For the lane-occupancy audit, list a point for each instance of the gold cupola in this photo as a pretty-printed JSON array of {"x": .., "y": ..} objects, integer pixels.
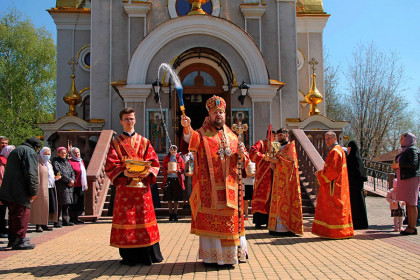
[
  {"x": 72, "y": 97},
  {"x": 314, "y": 97}
]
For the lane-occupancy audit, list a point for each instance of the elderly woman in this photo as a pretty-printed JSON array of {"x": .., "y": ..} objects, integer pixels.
[
  {"x": 3, "y": 160},
  {"x": 408, "y": 178},
  {"x": 64, "y": 184},
  {"x": 80, "y": 185},
  {"x": 44, "y": 207}
]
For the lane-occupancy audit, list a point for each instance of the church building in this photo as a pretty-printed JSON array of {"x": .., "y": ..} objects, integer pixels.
[{"x": 217, "y": 47}]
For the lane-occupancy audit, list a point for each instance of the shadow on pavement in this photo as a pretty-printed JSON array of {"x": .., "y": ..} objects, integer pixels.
[{"x": 95, "y": 269}]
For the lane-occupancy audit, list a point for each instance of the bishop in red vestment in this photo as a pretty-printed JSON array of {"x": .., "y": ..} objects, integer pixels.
[
  {"x": 215, "y": 191},
  {"x": 333, "y": 210},
  {"x": 134, "y": 227},
  {"x": 263, "y": 181}
]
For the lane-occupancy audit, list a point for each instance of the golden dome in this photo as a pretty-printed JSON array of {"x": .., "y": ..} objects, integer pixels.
[{"x": 309, "y": 7}]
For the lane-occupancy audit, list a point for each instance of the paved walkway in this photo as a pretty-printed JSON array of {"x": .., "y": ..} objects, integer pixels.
[{"x": 83, "y": 252}]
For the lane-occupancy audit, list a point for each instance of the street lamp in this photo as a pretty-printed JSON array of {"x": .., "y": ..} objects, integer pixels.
[
  {"x": 244, "y": 91},
  {"x": 156, "y": 85}
]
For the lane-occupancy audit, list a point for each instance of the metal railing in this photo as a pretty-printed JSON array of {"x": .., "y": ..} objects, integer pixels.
[{"x": 380, "y": 176}]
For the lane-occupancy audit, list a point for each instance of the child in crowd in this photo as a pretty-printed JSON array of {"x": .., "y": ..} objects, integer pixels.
[{"x": 397, "y": 207}]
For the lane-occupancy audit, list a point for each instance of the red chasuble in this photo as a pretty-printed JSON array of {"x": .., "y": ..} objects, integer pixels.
[
  {"x": 333, "y": 212},
  {"x": 286, "y": 199},
  {"x": 134, "y": 223},
  {"x": 263, "y": 178},
  {"x": 214, "y": 197}
]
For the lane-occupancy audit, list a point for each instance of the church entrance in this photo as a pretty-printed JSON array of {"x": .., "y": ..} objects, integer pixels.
[{"x": 200, "y": 82}]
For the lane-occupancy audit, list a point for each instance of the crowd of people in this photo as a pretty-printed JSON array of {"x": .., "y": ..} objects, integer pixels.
[
  {"x": 38, "y": 191},
  {"x": 203, "y": 173}
]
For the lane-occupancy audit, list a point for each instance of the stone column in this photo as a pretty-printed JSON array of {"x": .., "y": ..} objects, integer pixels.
[
  {"x": 287, "y": 58},
  {"x": 135, "y": 96},
  {"x": 261, "y": 96},
  {"x": 253, "y": 11}
]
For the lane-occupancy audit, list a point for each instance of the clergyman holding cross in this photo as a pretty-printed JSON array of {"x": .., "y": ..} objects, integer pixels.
[{"x": 214, "y": 198}]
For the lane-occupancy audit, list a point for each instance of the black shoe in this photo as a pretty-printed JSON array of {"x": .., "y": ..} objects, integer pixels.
[
  {"x": 78, "y": 222},
  {"x": 68, "y": 224},
  {"x": 39, "y": 228},
  {"x": 405, "y": 232},
  {"x": 258, "y": 226},
  {"x": 129, "y": 263},
  {"x": 46, "y": 228},
  {"x": 211, "y": 264},
  {"x": 57, "y": 225},
  {"x": 4, "y": 235},
  {"x": 171, "y": 217},
  {"x": 175, "y": 217},
  {"x": 22, "y": 244}
]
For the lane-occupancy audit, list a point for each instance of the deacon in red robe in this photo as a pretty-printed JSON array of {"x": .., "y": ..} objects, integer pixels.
[
  {"x": 134, "y": 227},
  {"x": 333, "y": 210},
  {"x": 285, "y": 216},
  {"x": 263, "y": 180},
  {"x": 214, "y": 198}
]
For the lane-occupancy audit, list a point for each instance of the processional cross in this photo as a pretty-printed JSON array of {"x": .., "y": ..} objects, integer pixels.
[{"x": 239, "y": 129}]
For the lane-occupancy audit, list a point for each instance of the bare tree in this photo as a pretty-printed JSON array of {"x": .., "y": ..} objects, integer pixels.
[
  {"x": 374, "y": 103},
  {"x": 333, "y": 107}
]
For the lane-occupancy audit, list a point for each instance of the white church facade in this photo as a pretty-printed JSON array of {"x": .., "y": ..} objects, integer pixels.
[{"x": 119, "y": 46}]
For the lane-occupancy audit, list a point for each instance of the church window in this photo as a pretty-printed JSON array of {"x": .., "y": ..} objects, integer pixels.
[
  {"x": 83, "y": 57},
  {"x": 199, "y": 78}
]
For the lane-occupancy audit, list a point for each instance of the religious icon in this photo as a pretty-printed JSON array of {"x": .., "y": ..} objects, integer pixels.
[{"x": 157, "y": 131}]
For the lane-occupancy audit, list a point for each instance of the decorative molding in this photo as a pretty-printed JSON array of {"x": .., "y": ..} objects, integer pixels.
[
  {"x": 316, "y": 122},
  {"x": 68, "y": 122},
  {"x": 262, "y": 93},
  {"x": 137, "y": 9},
  {"x": 135, "y": 93},
  {"x": 252, "y": 11},
  {"x": 176, "y": 28},
  {"x": 71, "y": 21},
  {"x": 311, "y": 24}
]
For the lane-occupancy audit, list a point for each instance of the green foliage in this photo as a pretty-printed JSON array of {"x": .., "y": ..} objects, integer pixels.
[{"x": 27, "y": 77}]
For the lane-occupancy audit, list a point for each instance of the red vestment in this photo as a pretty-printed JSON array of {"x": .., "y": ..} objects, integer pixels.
[
  {"x": 333, "y": 211},
  {"x": 263, "y": 178},
  {"x": 134, "y": 223},
  {"x": 286, "y": 199},
  {"x": 214, "y": 198}
]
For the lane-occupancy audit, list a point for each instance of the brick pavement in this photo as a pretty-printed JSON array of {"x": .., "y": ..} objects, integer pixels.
[{"x": 83, "y": 252}]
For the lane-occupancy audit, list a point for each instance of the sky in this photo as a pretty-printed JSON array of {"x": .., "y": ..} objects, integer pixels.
[{"x": 390, "y": 25}]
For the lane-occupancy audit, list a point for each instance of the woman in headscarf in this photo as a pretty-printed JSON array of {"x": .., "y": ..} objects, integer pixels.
[
  {"x": 64, "y": 184},
  {"x": 357, "y": 177},
  {"x": 408, "y": 178},
  {"x": 3, "y": 160},
  {"x": 44, "y": 207},
  {"x": 80, "y": 185}
]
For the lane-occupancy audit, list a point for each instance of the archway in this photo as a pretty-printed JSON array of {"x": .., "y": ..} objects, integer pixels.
[{"x": 200, "y": 82}]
